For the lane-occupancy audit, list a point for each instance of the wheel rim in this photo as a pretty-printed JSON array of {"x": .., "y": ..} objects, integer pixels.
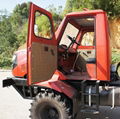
[
  {"x": 53, "y": 113},
  {"x": 47, "y": 112}
]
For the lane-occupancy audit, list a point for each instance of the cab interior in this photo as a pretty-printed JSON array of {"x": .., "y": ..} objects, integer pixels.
[{"x": 77, "y": 49}]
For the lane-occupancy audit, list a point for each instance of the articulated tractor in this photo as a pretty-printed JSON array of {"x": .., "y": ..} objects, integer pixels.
[{"x": 69, "y": 71}]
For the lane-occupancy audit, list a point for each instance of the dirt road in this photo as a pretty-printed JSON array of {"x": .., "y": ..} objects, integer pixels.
[{"x": 13, "y": 106}]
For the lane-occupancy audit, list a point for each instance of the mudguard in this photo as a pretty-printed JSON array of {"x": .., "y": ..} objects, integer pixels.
[{"x": 57, "y": 84}]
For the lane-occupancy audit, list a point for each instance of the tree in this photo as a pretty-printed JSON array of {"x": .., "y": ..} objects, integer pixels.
[
  {"x": 77, "y": 5},
  {"x": 22, "y": 10},
  {"x": 68, "y": 6},
  {"x": 13, "y": 32},
  {"x": 19, "y": 22},
  {"x": 57, "y": 14},
  {"x": 7, "y": 42},
  {"x": 112, "y": 7}
]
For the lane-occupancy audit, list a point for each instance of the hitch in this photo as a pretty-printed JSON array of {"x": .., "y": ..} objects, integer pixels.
[{"x": 14, "y": 81}]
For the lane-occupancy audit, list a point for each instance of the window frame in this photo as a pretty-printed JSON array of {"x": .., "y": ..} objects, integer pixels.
[
  {"x": 52, "y": 31},
  {"x": 68, "y": 34},
  {"x": 94, "y": 44}
]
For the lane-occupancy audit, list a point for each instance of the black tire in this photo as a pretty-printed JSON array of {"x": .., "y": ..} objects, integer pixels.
[{"x": 50, "y": 106}]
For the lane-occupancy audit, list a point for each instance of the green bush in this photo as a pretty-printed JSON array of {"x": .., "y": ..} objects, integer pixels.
[{"x": 115, "y": 55}]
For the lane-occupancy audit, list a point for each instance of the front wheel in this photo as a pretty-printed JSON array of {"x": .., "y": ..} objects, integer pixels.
[{"x": 50, "y": 106}]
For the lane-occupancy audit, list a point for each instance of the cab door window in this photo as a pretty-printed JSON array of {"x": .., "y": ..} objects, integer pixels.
[
  {"x": 88, "y": 39},
  {"x": 42, "y": 26},
  {"x": 71, "y": 31}
]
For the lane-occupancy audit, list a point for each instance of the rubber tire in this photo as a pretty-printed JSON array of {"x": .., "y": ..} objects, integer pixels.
[{"x": 45, "y": 99}]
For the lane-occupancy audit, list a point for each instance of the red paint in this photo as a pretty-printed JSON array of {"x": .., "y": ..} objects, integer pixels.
[
  {"x": 56, "y": 84},
  {"x": 91, "y": 70},
  {"x": 86, "y": 47},
  {"x": 102, "y": 48}
]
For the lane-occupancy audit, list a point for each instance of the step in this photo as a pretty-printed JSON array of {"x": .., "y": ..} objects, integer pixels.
[
  {"x": 89, "y": 111},
  {"x": 92, "y": 94}
]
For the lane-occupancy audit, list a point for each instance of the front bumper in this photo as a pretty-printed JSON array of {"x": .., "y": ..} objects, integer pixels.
[{"x": 14, "y": 81}]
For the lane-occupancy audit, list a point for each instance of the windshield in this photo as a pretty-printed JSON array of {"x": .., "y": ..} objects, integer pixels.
[{"x": 71, "y": 31}]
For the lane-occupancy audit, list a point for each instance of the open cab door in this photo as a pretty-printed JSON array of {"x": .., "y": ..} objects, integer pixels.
[{"x": 41, "y": 46}]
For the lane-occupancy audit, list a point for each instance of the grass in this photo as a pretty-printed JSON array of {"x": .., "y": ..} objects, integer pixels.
[{"x": 115, "y": 55}]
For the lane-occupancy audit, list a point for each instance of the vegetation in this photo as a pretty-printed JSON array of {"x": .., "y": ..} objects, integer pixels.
[
  {"x": 8, "y": 42},
  {"x": 57, "y": 14},
  {"x": 115, "y": 56},
  {"x": 13, "y": 30},
  {"x": 112, "y": 7}
]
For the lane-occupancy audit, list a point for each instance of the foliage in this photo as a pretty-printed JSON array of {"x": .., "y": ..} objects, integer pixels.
[
  {"x": 77, "y": 5},
  {"x": 115, "y": 55},
  {"x": 106, "y": 5},
  {"x": 13, "y": 32},
  {"x": 57, "y": 14},
  {"x": 22, "y": 10},
  {"x": 22, "y": 35},
  {"x": 7, "y": 42},
  {"x": 43, "y": 24}
]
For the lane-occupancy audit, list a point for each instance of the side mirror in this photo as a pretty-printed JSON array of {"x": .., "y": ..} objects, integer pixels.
[{"x": 36, "y": 29}]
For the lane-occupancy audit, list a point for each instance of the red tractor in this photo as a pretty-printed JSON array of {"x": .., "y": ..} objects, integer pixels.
[{"x": 68, "y": 72}]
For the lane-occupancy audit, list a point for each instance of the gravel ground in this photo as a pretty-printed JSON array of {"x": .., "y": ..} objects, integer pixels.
[{"x": 13, "y": 106}]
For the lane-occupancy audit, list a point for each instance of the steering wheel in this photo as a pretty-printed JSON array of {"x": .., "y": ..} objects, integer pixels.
[
  {"x": 72, "y": 40},
  {"x": 62, "y": 47}
]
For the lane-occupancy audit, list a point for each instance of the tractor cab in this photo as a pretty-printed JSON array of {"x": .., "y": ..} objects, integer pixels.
[
  {"x": 82, "y": 49},
  {"x": 79, "y": 48}
]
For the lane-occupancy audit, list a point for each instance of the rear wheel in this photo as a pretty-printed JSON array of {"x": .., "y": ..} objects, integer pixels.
[{"x": 50, "y": 106}]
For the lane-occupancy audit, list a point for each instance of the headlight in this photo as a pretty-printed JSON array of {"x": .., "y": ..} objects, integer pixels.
[
  {"x": 14, "y": 61},
  {"x": 14, "y": 57}
]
